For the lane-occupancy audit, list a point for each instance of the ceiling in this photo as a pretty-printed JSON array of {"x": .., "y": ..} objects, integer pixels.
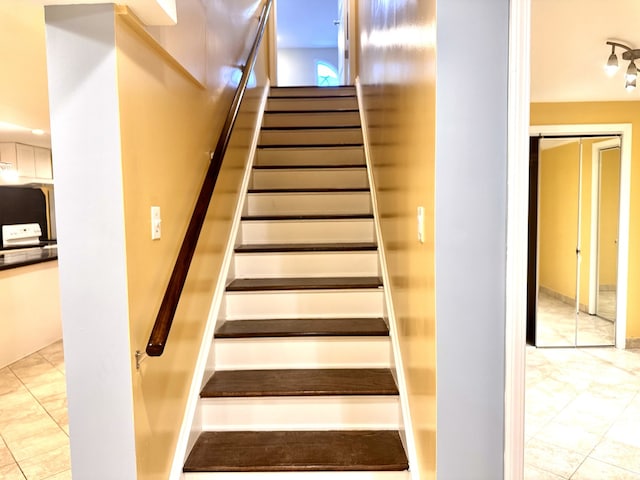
[
  {"x": 307, "y": 23},
  {"x": 568, "y": 49},
  {"x": 567, "y": 55}
]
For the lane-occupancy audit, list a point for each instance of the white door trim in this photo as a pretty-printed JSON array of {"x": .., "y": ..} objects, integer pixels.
[
  {"x": 596, "y": 148},
  {"x": 624, "y": 130},
  {"x": 517, "y": 235}
]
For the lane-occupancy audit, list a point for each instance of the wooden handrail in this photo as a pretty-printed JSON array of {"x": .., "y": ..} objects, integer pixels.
[{"x": 162, "y": 325}]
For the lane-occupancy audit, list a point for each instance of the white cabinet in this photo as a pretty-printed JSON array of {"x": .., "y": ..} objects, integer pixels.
[
  {"x": 26, "y": 160},
  {"x": 30, "y": 162},
  {"x": 8, "y": 154},
  {"x": 43, "y": 162}
]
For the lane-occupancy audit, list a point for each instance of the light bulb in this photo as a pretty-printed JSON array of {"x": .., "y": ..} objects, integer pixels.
[
  {"x": 612, "y": 65},
  {"x": 630, "y": 85},
  {"x": 632, "y": 72}
]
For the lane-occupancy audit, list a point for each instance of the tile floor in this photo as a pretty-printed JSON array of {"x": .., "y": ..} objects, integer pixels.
[
  {"x": 582, "y": 414},
  {"x": 556, "y": 324},
  {"x": 34, "y": 430}
]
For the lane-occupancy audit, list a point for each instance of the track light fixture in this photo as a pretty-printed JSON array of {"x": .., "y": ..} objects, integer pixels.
[{"x": 629, "y": 54}]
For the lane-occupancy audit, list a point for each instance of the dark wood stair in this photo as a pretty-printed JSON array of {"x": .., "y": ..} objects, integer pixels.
[
  {"x": 297, "y": 451},
  {"x": 303, "y": 327},
  {"x": 300, "y": 382},
  {"x": 306, "y": 247},
  {"x": 310, "y": 283}
]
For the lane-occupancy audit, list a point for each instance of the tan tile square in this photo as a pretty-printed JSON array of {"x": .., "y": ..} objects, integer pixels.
[
  {"x": 572, "y": 437},
  {"x": 16, "y": 406},
  {"x": 34, "y": 437},
  {"x": 47, "y": 464},
  {"x": 593, "y": 469},
  {"x": 533, "y": 473},
  {"x": 8, "y": 381},
  {"x": 66, "y": 475},
  {"x": 47, "y": 386},
  {"x": 551, "y": 458},
  {"x": 28, "y": 425},
  {"x": 11, "y": 472},
  {"x": 624, "y": 431},
  {"x": 30, "y": 368},
  {"x": 619, "y": 454},
  {"x": 5, "y": 455},
  {"x": 54, "y": 354}
]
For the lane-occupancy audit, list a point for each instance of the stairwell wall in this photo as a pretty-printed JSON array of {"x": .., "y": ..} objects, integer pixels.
[
  {"x": 169, "y": 109},
  {"x": 397, "y": 75}
]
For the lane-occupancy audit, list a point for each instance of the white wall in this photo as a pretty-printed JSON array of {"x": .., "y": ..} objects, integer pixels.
[
  {"x": 471, "y": 185},
  {"x": 297, "y": 66}
]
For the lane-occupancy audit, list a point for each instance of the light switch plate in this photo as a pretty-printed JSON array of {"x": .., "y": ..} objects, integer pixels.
[{"x": 156, "y": 223}]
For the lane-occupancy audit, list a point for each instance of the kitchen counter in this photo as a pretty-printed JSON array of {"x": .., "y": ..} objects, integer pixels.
[{"x": 27, "y": 256}]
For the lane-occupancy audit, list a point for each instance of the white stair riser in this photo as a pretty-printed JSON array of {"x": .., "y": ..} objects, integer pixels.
[
  {"x": 301, "y": 413},
  {"x": 296, "y": 352},
  {"x": 261, "y": 232},
  {"x": 308, "y": 203},
  {"x": 306, "y": 264},
  {"x": 403, "y": 475},
  {"x": 310, "y": 156},
  {"x": 311, "y": 91},
  {"x": 320, "y": 119},
  {"x": 310, "y": 178},
  {"x": 304, "y": 304},
  {"x": 324, "y": 136},
  {"x": 303, "y": 104}
]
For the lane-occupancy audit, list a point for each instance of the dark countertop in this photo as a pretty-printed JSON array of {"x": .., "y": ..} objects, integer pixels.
[{"x": 26, "y": 256}]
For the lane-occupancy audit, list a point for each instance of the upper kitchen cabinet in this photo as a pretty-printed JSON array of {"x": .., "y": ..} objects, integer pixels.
[{"x": 32, "y": 164}]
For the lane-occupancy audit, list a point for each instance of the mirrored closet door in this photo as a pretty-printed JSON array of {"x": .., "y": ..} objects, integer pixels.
[{"x": 576, "y": 212}]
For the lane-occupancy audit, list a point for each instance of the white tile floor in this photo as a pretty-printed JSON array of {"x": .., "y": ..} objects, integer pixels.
[
  {"x": 582, "y": 414},
  {"x": 34, "y": 430}
]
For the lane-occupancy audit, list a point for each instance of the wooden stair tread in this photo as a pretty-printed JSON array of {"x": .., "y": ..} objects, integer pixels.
[
  {"x": 311, "y": 127},
  {"x": 308, "y": 145},
  {"x": 307, "y": 283},
  {"x": 307, "y": 190},
  {"x": 311, "y": 112},
  {"x": 300, "y": 382},
  {"x": 319, "y": 216},
  {"x": 306, "y": 247},
  {"x": 297, "y": 451},
  {"x": 298, "y": 327},
  {"x": 338, "y": 166}
]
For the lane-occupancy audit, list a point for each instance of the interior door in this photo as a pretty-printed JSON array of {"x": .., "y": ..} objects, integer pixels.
[{"x": 562, "y": 243}]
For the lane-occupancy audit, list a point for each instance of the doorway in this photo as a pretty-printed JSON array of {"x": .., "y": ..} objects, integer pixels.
[
  {"x": 311, "y": 42},
  {"x": 573, "y": 258},
  {"x": 615, "y": 154}
]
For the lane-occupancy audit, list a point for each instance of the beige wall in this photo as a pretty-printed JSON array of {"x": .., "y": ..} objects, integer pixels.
[
  {"x": 608, "y": 226},
  {"x": 398, "y": 83},
  {"x": 169, "y": 124},
  {"x": 558, "y": 218},
  {"x": 608, "y": 112},
  {"x": 23, "y": 82}
]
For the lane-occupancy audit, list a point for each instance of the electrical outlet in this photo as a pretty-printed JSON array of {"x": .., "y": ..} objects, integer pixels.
[{"x": 420, "y": 219}]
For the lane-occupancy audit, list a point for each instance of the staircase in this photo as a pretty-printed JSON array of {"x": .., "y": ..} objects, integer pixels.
[{"x": 302, "y": 356}]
